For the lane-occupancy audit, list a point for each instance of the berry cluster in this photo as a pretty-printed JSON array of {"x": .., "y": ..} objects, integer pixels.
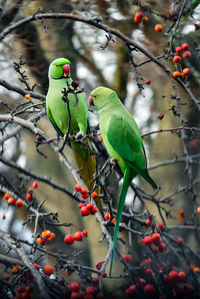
[
  {"x": 177, "y": 59},
  {"x": 139, "y": 17},
  {"x": 78, "y": 236},
  {"x": 47, "y": 235}
]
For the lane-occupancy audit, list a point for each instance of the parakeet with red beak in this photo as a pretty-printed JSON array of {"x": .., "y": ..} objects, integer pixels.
[
  {"x": 123, "y": 141},
  {"x": 58, "y": 114}
]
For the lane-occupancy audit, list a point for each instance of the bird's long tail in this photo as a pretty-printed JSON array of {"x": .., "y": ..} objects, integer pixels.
[
  {"x": 87, "y": 165},
  {"x": 128, "y": 176}
]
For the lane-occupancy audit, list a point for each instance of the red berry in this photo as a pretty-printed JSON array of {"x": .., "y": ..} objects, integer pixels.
[
  {"x": 127, "y": 257},
  {"x": 160, "y": 225},
  {"x": 81, "y": 204},
  {"x": 85, "y": 211},
  {"x": 35, "y": 185},
  {"x": 25, "y": 295},
  {"x": 48, "y": 270},
  {"x": 37, "y": 267},
  {"x": 69, "y": 239},
  {"x": 186, "y": 71},
  {"x": 148, "y": 271},
  {"x": 185, "y": 47},
  {"x": 161, "y": 115},
  {"x": 99, "y": 265},
  {"x": 198, "y": 210},
  {"x": 156, "y": 238},
  {"x": 85, "y": 232},
  {"x": 177, "y": 59},
  {"x": 76, "y": 295},
  {"x": 6, "y": 196},
  {"x": 28, "y": 196},
  {"x": 51, "y": 237},
  {"x": 27, "y": 96},
  {"x": 180, "y": 240},
  {"x": 29, "y": 288},
  {"x": 107, "y": 216},
  {"x": 178, "y": 49},
  {"x": 6, "y": 276},
  {"x": 138, "y": 17},
  {"x": 162, "y": 247},
  {"x": 20, "y": 289},
  {"x": 11, "y": 201},
  {"x": 187, "y": 54},
  {"x": 103, "y": 274},
  {"x": 149, "y": 288},
  {"x": 84, "y": 191},
  {"x": 142, "y": 281},
  {"x": 91, "y": 290},
  {"x": 99, "y": 296},
  {"x": 19, "y": 203},
  {"x": 74, "y": 286},
  {"x": 94, "y": 210},
  {"x": 4, "y": 217},
  {"x": 147, "y": 240},
  {"x": 78, "y": 188},
  {"x": 148, "y": 82},
  {"x": 173, "y": 276},
  {"x": 84, "y": 195},
  {"x": 78, "y": 236},
  {"x": 131, "y": 290},
  {"x": 95, "y": 279}
]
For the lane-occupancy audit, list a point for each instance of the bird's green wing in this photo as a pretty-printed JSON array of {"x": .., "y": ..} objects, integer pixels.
[
  {"x": 124, "y": 136},
  {"x": 50, "y": 117}
]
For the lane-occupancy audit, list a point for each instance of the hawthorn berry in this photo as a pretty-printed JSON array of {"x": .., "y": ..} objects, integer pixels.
[
  {"x": 186, "y": 71},
  {"x": 187, "y": 54},
  {"x": 48, "y": 270},
  {"x": 6, "y": 276},
  {"x": 46, "y": 233},
  {"x": 20, "y": 289},
  {"x": 94, "y": 194},
  {"x": 198, "y": 210},
  {"x": 81, "y": 204},
  {"x": 74, "y": 286},
  {"x": 147, "y": 222},
  {"x": 25, "y": 295},
  {"x": 85, "y": 211},
  {"x": 178, "y": 49},
  {"x": 69, "y": 239},
  {"x": 27, "y": 96},
  {"x": 145, "y": 20},
  {"x": 28, "y": 196},
  {"x": 78, "y": 188},
  {"x": 4, "y": 217},
  {"x": 181, "y": 275},
  {"x": 180, "y": 240},
  {"x": 138, "y": 17},
  {"x": 160, "y": 225},
  {"x": 148, "y": 82},
  {"x": 84, "y": 191},
  {"x": 176, "y": 74},
  {"x": 91, "y": 290},
  {"x": 19, "y": 203},
  {"x": 127, "y": 257},
  {"x": 84, "y": 195},
  {"x": 41, "y": 241},
  {"x": 107, "y": 216},
  {"x": 173, "y": 276},
  {"x": 85, "y": 232},
  {"x": 147, "y": 240},
  {"x": 156, "y": 238},
  {"x": 11, "y": 201},
  {"x": 177, "y": 59},
  {"x": 149, "y": 288},
  {"x": 185, "y": 47},
  {"x": 51, "y": 237},
  {"x": 131, "y": 290},
  {"x": 78, "y": 236},
  {"x": 6, "y": 196},
  {"x": 158, "y": 27},
  {"x": 35, "y": 184}
]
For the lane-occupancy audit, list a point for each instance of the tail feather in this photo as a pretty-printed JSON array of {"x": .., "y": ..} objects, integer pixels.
[
  {"x": 144, "y": 173},
  {"x": 127, "y": 180}
]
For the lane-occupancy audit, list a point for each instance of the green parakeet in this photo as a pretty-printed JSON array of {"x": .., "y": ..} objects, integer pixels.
[
  {"x": 122, "y": 139},
  {"x": 58, "y": 114}
]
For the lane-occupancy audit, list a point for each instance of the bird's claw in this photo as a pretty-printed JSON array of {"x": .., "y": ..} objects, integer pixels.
[{"x": 79, "y": 136}]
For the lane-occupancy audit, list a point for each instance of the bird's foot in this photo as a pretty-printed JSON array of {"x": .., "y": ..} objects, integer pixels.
[{"x": 79, "y": 136}]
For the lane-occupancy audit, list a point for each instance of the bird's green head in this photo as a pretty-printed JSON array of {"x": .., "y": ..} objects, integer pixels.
[
  {"x": 100, "y": 96},
  {"x": 59, "y": 68}
]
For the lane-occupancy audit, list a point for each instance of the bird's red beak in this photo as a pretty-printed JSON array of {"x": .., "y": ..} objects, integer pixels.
[
  {"x": 66, "y": 70},
  {"x": 91, "y": 101}
]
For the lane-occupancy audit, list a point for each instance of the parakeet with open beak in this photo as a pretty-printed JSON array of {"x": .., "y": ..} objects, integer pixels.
[{"x": 122, "y": 139}]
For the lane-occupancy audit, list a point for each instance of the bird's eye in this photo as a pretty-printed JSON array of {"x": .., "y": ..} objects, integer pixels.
[
  {"x": 57, "y": 65},
  {"x": 95, "y": 96}
]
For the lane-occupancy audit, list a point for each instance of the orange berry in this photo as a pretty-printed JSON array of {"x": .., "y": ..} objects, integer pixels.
[
  {"x": 177, "y": 59},
  {"x": 15, "y": 269},
  {"x": 101, "y": 137},
  {"x": 176, "y": 74},
  {"x": 46, "y": 233},
  {"x": 181, "y": 275},
  {"x": 11, "y": 201},
  {"x": 85, "y": 232},
  {"x": 156, "y": 238},
  {"x": 113, "y": 220},
  {"x": 186, "y": 71},
  {"x": 6, "y": 276},
  {"x": 138, "y": 17},
  {"x": 145, "y": 20},
  {"x": 78, "y": 236},
  {"x": 19, "y": 203},
  {"x": 147, "y": 222},
  {"x": 48, "y": 270},
  {"x": 78, "y": 188},
  {"x": 6, "y": 196},
  {"x": 187, "y": 54},
  {"x": 27, "y": 96},
  {"x": 198, "y": 210},
  {"x": 94, "y": 194},
  {"x": 158, "y": 27},
  {"x": 41, "y": 241},
  {"x": 51, "y": 237}
]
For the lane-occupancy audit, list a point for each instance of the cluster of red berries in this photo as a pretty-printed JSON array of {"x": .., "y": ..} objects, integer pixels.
[
  {"x": 139, "y": 17},
  {"x": 176, "y": 281},
  {"x": 87, "y": 209},
  {"x": 12, "y": 201},
  {"x": 47, "y": 235},
  {"x": 78, "y": 236},
  {"x": 155, "y": 241},
  {"x": 177, "y": 59},
  {"x": 90, "y": 292},
  {"x": 148, "y": 288},
  {"x": 29, "y": 193}
]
